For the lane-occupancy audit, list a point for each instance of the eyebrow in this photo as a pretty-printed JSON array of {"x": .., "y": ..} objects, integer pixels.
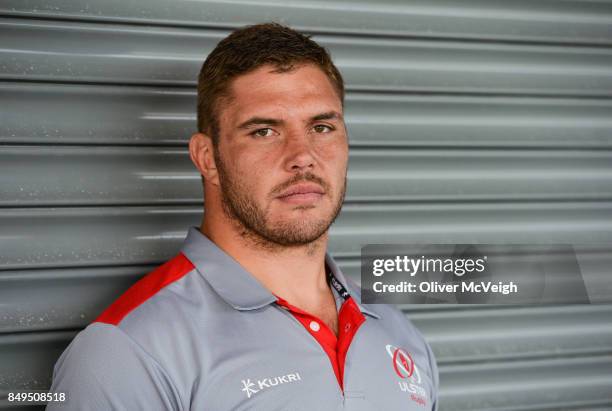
[{"x": 329, "y": 115}]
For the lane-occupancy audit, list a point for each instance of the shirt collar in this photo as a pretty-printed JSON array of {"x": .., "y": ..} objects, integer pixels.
[
  {"x": 234, "y": 283},
  {"x": 351, "y": 287}
]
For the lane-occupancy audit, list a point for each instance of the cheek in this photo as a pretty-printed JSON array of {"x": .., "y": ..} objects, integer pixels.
[
  {"x": 253, "y": 176},
  {"x": 336, "y": 157},
  {"x": 333, "y": 148},
  {"x": 244, "y": 164}
]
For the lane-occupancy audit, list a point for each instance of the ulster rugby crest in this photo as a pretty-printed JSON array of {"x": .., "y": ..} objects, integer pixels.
[{"x": 408, "y": 373}]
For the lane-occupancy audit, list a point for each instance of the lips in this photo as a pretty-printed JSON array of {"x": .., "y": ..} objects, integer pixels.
[
  {"x": 301, "y": 189},
  {"x": 303, "y": 195}
]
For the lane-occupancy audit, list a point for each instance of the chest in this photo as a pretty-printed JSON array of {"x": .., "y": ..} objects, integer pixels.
[{"x": 275, "y": 364}]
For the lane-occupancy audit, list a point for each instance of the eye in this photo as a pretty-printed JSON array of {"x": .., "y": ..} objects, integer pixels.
[
  {"x": 262, "y": 132},
  {"x": 322, "y": 128}
]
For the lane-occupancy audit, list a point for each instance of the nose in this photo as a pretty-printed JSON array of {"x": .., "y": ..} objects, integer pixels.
[{"x": 299, "y": 156}]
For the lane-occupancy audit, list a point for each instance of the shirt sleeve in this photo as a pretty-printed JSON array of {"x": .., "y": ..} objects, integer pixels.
[{"x": 104, "y": 369}]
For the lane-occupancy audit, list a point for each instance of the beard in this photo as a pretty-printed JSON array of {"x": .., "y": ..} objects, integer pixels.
[{"x": 254, "y": 222}]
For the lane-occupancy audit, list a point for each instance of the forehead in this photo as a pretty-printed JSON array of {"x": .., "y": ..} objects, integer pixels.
[{"x": 305, "y": 90}]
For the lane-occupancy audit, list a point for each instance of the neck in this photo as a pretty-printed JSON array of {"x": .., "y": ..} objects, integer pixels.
[{"x": 294, "y": 273}]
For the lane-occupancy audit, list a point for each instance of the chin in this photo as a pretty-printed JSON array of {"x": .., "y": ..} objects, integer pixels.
[
  {"x": 301, "y": 216},
  {"x": 305, "y": 226}
]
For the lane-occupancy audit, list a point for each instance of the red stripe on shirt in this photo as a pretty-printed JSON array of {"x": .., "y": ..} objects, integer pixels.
[{"x": 172, "y": 270}]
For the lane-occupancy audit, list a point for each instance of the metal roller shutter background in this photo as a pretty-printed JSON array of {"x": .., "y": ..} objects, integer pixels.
[{"x": 470, "y": 121}]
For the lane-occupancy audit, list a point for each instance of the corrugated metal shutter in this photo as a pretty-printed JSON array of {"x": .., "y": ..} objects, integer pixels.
[{"x": 473, "y": 121}]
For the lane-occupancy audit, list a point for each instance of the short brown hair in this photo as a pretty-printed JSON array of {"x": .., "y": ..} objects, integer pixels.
[{"x": 247, "y": 49}]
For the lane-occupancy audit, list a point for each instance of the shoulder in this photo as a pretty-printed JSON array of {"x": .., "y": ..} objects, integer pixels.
[
  {"x": 146, "y": 290},
  {"x": 98, "y": 347},
  {"x": 163, "y": 313},
  {"x": 142, "y": 336},
  {"x": 138, "y": 317},
  {"x": 103, "y": 368}
]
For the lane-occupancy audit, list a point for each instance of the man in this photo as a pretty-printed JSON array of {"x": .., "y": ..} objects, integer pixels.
[{"x": 253, "y": 313}]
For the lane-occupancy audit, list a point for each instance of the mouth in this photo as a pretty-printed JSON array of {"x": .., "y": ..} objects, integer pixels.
[{"x": 302, "y": 194}]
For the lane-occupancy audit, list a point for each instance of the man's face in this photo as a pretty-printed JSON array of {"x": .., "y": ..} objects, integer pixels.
[{"x": 282, "y": 154}]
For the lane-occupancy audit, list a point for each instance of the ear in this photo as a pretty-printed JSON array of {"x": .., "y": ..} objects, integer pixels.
[{"x": 202, "y": 156}]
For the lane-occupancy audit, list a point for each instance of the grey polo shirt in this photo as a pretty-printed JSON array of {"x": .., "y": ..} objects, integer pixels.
[{"x": 201, "y": 333}]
